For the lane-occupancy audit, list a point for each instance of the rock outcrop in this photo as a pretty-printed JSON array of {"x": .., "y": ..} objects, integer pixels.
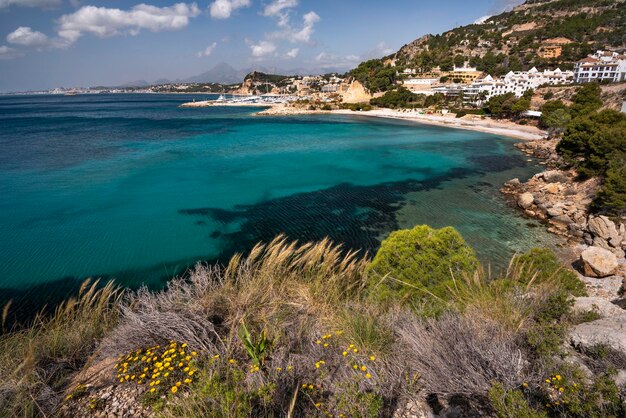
[
  {"x": 597, "y": 304},
  {"x": 610, "y": 331},
  {"x": 356, "y": 93},
  {"x": 598, "y": 262}
]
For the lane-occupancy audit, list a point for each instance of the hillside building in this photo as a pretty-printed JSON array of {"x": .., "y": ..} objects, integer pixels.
[{"x": 603, "y": 66}]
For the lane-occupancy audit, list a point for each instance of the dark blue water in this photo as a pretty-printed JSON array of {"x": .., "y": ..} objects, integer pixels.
[{"x": 135, "y": 188}]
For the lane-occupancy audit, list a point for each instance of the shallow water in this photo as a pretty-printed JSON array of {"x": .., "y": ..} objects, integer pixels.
[{"x": 135, "y": 188}]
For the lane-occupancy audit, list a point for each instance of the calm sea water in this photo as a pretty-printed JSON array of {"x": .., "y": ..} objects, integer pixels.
[{"x": 135, "y": 188}]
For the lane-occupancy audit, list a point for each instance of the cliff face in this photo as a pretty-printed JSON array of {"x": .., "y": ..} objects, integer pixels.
[{"x": 356, "y": 93}]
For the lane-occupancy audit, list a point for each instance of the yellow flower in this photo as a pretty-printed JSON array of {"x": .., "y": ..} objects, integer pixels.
[
  {"x": 186, "y": 369},
  {"x": 180, "y": 364},
  {"x": 345, "y": 353},
  {"x": 311, "y": 387},
  {"x": 558, "y": 377},
  {"x": 166, "y": 374},
  {"x": 355, "y": 367},
  {"x": 356, "y": 350},
  {"x": 158, "y": 382},
  {"x": 151, "y": 383},
  {"x": 318, "y": 342},
  {"x": 184, "y": 345},
  {"x": 367, "y": 375},
  {"x": 525, "y": 384},
  {"x": 193, "y": 353},
  {"x": 304, "y": 386},
  {"x": 188, "y": 358},
  {"x": 174, "y": 389},
  {"x": 372, "y": 358},
  {"x": 317, "y": 405},
  {"x": 178, "y": 384},
  {"x": 363, "y": 368},
  {"x": 187, "y": 380},
  {"x": 561, "y": 390},
  {"x": 325, "y": 345},
  {"x": 279, "y": 369},
  {"x": 122, "y": 380},
  {"x": 215, "y": 356},
  {"x": 152, "y": 390},
  {"x": 191, "y": 372}
]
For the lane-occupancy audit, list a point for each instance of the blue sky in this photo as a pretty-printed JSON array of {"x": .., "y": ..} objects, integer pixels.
[{"x": 52, "y": 43}]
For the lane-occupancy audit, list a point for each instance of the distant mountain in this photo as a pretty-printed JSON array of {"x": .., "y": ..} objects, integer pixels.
[{"x": 222, "y": 73}]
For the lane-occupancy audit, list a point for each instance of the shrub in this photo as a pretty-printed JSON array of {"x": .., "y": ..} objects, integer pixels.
[
  {"x": 419, "y": 262},
  {"x": 512, "y": 403},
  {"x": 160, "y": 370},
  {"x": 540, "y": 266},
  {"x": 37, "y": 362}
]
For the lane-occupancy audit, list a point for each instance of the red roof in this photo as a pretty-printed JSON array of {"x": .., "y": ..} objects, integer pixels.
[{"x": 589, "y": 59}]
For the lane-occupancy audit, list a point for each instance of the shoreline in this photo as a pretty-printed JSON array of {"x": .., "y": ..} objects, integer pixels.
[{"x": 468, "y": 122}]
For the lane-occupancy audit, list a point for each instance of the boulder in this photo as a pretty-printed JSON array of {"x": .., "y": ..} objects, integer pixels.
[
  {"x": 610, "y": 331},
  {"x": 553, "y": 176},
  {"x": 598, "y": 262},
  {"x": 552, "y": 212},
  {"x": 525, "y": 200},
  {"x": 596, "y": 303},
  {"x": 513, "y": 182},
  {"x": 603, "y": 227},
  {"x": 562, "y": 219}
]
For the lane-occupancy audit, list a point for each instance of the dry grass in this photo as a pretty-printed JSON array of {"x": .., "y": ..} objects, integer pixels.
[
  {"x": 460, "y": 354},
  {"x": 36, "y": 363},
  {"x": 296, "y": 294}
]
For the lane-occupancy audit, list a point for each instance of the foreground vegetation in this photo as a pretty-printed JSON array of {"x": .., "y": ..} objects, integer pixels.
[{"x": 312, "y": 330}]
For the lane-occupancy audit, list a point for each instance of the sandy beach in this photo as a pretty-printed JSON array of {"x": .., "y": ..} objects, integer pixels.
[{"x": 470, "y": 122}]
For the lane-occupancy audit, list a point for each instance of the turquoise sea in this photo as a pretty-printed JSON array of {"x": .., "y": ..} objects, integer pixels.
[{"x": 134, "y": 188}]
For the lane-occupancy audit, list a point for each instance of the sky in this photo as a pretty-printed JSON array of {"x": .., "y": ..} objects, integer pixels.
[{"x": 70, "y": 43}]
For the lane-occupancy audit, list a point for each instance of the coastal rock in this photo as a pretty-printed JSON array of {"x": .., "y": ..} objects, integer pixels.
[
  {"x": 552, "y": 212},
  {"x": 562, "y": 219},
  {"x": 610, "y": 331},
  {"x": 598, "y": 304},
  {"x": 603, "y": 227},
  {"x": 553, "y": 176},
  {"x": 513, "y": 182},
  {"x": 525, "y": 200},
  {"x": 598, "y": 262}
]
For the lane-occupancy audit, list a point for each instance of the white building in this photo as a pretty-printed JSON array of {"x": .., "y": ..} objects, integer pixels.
[
  {"x": 601, "y": 66},
  {"x": 417, "y": 84},
  {"x": 517, "y": 82}
]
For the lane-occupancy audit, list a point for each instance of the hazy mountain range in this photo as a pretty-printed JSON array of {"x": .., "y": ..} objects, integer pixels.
[{"x": 224, "y": 73}]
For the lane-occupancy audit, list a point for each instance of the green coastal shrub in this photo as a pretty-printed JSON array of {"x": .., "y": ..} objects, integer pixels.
[
  {"x": 511, "y": 403},
  {"x": 542, "y": 266},
  {"x": 414, "y": 263}
]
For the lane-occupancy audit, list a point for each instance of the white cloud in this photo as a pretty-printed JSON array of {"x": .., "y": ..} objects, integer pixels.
[
  {"x": 277, "y": 6},
  {"x": 25, "y": 36},
  {"x": 6, "y": 52},
  {"x": 304, "y": 34},
  {"x": 29, "y": 3},
  {"x": 500, "y": 6},
  {"x": 103, "y": 22},
  {"x": 208, "y": 51},
  {"x": 222, "y": 9},
  {"x": 292, "y": 53},
  {"x": 481, "y": 19},
  {"x": 262, "y": 49},
  {"x": 328, "y": 60}
]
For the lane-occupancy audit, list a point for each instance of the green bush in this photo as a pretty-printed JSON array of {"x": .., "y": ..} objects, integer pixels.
[
  {"x": 414, "y": 263},
  {"x": 511, "y": 403},
  {"x": 543, "y": 263}
]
